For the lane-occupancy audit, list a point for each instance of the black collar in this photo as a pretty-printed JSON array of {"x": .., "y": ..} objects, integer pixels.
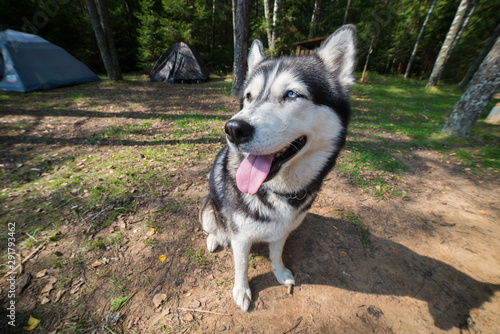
[{"x": 298, "y": 196}]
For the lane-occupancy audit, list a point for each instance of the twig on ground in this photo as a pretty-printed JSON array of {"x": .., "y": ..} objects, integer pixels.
[
  {"x": 203, "y": 311},
  {"x": 27, "y": 258}
]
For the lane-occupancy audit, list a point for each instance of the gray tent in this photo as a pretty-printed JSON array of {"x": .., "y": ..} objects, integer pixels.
[
  {"x": 181, "y": 63},
  {"x": 29, "y": 62}
]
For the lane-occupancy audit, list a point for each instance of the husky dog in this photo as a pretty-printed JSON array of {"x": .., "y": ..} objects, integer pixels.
[{"x": 281, "y": 144}]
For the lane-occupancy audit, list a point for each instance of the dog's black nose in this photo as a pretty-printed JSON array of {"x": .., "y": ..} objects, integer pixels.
[{"x": 239, "y": 132}]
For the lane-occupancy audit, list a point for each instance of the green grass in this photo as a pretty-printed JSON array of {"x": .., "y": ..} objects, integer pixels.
[
  {"x": 198, "y": 258},
  {"x": 393, "y": 117},
  {"x": 118, "y": 303}
]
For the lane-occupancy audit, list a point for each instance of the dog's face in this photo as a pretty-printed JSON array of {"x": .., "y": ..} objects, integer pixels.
[{"x": 294, "y": 111}]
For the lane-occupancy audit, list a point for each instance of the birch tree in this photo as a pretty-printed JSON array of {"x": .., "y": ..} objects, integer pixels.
[
  {"x": 267, "y": 15},
  {"x": 314, "y": 18},
  {"x": 272, "y": 25},
  {"x": 479, "y": 93},
  {"x": 419, "y": 37},
  {"x": 444, "y": 54}
]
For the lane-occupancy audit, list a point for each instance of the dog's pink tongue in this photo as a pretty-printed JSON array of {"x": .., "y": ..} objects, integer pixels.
[{"x": 252, "y": 172}]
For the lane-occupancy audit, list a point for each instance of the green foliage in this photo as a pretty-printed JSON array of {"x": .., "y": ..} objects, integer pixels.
[
  {"x": 118, "y": 303},
  {"x": 144, "y": 29}
]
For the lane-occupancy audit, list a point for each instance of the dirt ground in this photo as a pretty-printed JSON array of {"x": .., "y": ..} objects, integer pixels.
[{"x": 431, "y": 264}]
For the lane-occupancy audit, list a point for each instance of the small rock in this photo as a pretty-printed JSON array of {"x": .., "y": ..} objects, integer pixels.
[
  {"x": 222, "y": 328},
  {"x": 158, "y": 299},
  {"x": 195, "y": 304},
  {"x": 188, "y": 317},
  {"x": 259, "y": 305}
]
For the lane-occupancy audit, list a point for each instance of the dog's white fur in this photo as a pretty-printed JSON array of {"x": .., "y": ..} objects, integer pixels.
[{"x": 278, "y": 122}]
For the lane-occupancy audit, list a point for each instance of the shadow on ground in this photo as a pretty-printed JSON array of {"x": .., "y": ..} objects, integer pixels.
[{"x": 383, "y": 268}]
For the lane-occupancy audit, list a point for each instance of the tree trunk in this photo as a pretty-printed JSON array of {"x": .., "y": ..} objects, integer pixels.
[
  {"x": 276, "y": 10},
  {"x": 467, "y": 16},
  {"x": 314, "y": 18},
  {"x": 419, "y": 37},
  {"x": 479, "y": 58},
  {"x": 346, "y": 14},
  {"x": 241, "y": 29},
  {"x": 102, "y": 30},
  {"x": 234, "y": 5},
  {"x": 212, "y": 46},
  {"x": 477, "y": 96},
  {"x": 268, "y": 23},
  {"x": 102, "y": 8},
  {"x": 370, "y": 50},
  {"x": 443, "y": 55}
]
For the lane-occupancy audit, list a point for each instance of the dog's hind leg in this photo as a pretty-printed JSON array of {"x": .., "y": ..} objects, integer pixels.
[
  {"x": 282, "y": 274},
  {"x": 208, "y": 220}
]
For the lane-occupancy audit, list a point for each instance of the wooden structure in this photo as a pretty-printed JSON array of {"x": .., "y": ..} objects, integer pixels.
[{"x": 307, "y": 47}]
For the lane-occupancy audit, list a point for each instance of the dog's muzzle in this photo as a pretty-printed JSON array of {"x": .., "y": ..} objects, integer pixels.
[{"x": 238, "y": 131}]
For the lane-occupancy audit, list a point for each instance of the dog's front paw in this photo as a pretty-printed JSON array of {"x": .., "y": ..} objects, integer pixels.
[
  {"x": 212, "y": 243},
  {"x": 284, "y": 276},
  {"x": 242, "y": 297}
]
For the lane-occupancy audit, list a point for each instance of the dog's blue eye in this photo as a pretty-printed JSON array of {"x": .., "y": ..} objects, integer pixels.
[{"x": 291, "y": 94}]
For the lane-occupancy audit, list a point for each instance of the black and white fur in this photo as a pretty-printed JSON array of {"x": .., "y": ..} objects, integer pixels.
[{"x": 283, "y": 99}]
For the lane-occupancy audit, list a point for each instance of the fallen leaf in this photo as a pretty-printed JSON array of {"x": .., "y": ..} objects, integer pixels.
[
  {"x": 76, "y": 286},
  {"x": 41, "y": 273},
  {"x": 162, "y": 258},
  {"x": 49, "y": 286},
  {"x": 96, "y": 264},
  {"x": 32, "y": 323},
  {"x": 159, "y": 317},
  {"x": 60, "y": 293},
  {"x": 132, "y": 322},
  {"x": 45, "y": 300},
  {"x": 150, "y": 233}
]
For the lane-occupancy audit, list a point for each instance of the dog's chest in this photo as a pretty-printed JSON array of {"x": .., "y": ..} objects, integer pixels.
[{"x": 275, "y": 219}]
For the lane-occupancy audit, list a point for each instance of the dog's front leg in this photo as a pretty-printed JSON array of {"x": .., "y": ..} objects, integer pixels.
[
  {"x": 241, "y": 291},
  {"x": 282, "y": 274}
]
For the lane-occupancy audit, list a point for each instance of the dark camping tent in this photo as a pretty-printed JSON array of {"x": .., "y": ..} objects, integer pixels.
[
  {"x": 181, "y": 63},
  {"x": 29, "y": 62}
]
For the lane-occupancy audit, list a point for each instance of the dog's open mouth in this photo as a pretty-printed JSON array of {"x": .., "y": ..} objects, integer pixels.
[{"x": 257, "y": 169}]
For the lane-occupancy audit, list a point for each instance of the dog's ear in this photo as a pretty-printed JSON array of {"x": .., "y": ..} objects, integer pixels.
[
  {"x": 338, "y": 53},
  {"x": 255, "y": 56}
]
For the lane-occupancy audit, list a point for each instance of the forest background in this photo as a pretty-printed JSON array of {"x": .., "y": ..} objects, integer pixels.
[{"x": 144, "y": 29}]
